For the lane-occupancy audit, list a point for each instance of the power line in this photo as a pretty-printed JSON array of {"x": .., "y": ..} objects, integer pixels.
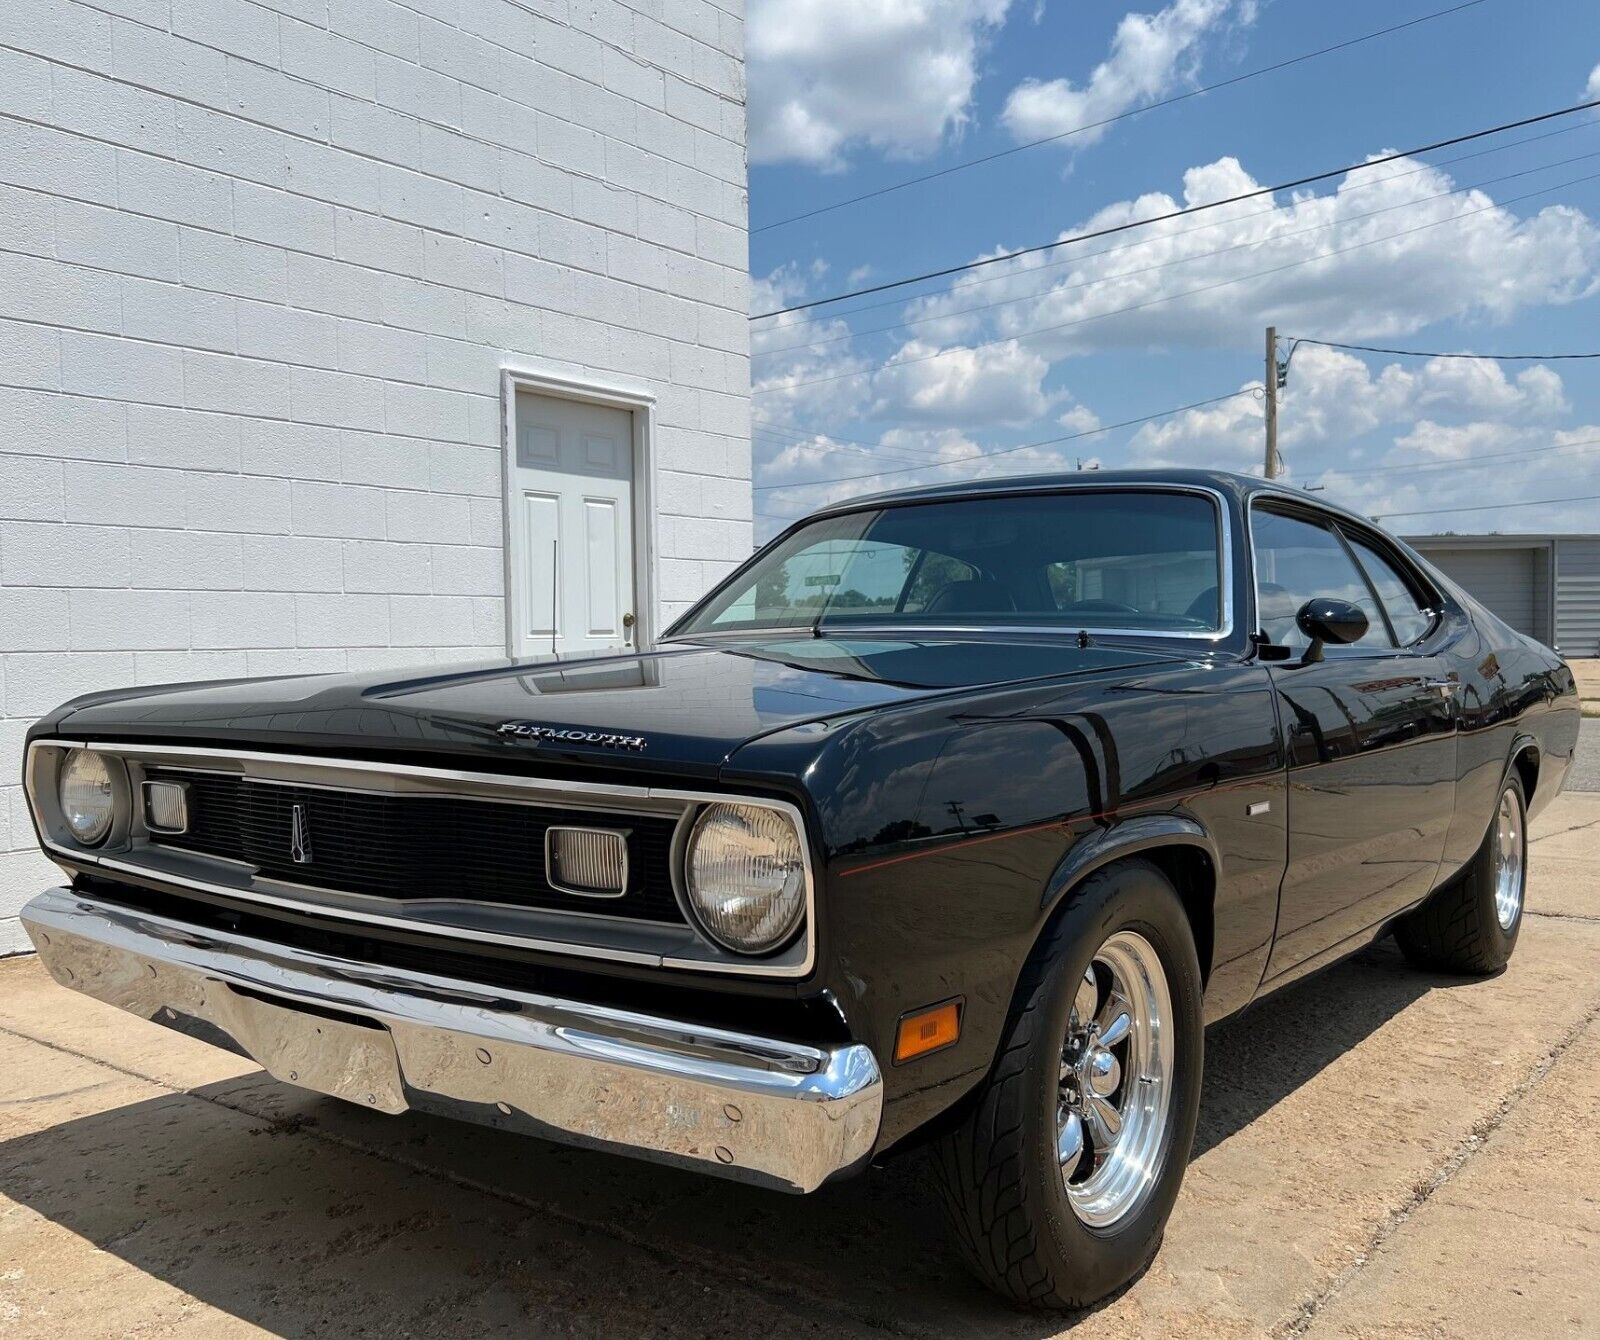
[
  {"x": 1006, "y": 451},
  {"x": 1047, "y": 292},
  {"x": 1176, "y": 214},
  {"x": 1463, "y": 462},
  {"x": 809, "y": 443},
  {"x": 894, "y": 451},
  {"x": 1426, "y": 353},
  {"x": 1488, "y": 507},
  {"x": 1223, "y": 223},
  {"x": 805, "y": 434},
  {"x": 1171, "y": 297},
  {"x": 979, "y": 161}
]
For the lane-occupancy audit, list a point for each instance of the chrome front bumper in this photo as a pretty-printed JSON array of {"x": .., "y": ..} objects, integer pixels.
[{"x": 778, "y": 1114}]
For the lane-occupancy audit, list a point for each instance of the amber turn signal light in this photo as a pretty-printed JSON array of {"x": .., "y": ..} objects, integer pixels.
[{"x": 929, "y": 1030}]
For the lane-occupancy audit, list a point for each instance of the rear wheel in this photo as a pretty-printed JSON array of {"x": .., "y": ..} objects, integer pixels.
[
  {"x": 1471, "y": 925},
  {"x": 1059, "y": 1182}
]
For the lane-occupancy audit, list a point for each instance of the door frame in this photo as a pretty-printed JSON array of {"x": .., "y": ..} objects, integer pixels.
[{"x": 566, "y": 384}]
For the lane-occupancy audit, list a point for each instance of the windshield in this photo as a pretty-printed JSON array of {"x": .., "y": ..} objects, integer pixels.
[{"x": 1105, "y": 559}]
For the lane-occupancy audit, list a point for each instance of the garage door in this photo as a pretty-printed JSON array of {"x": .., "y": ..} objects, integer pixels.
[{"x": 1503, "y": 579}]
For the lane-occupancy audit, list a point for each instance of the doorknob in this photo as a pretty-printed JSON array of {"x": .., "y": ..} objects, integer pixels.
[{"x": 628, "y": 620}]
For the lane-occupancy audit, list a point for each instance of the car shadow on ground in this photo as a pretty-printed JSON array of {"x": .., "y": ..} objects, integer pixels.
[{"x": 450, "y": 1227}]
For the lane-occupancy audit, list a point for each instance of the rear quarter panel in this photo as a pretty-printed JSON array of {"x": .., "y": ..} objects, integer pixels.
[{"x": 1515, "y": 691}]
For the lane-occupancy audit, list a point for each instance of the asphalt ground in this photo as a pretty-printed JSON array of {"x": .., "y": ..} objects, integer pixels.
[{"x": 1381, "y": 1152}]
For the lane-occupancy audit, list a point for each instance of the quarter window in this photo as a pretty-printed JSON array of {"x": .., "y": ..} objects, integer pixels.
[
  {"x": 1406, "y": 613},
  {"x": 1297, "y": 561}
]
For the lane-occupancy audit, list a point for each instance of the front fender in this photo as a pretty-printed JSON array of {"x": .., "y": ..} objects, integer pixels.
[
  {"x": 1127, "y": 838},
  {"x": 949, "y": 831}
]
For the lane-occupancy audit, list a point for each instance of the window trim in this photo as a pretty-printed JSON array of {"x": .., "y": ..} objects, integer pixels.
[
  {"x": 1225, "y": 571},
  {"x": 1428, "y": 600},
  {"x": 1297, "y": 510}
]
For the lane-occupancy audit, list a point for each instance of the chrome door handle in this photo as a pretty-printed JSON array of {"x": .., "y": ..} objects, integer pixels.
[{"x": 1448, "y": 687}]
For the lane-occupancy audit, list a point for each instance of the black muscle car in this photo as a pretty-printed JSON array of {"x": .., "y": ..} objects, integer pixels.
[{"x": 953, "y": 816}]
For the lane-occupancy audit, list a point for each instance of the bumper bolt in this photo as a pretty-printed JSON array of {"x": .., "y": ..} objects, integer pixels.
[{"x": 504, "y": 1108}]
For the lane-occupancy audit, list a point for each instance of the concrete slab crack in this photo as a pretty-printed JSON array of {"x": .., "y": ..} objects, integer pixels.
[{"x": 1396, "y": 1219}]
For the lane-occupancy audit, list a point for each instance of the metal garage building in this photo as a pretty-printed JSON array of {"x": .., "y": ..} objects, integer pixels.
[{"x": 1545, "y": 585}]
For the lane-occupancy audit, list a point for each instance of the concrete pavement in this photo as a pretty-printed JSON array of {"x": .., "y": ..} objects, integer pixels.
[
  {"x": 1585, "y": 772},
  {"x": 1381, "y": 1152}
]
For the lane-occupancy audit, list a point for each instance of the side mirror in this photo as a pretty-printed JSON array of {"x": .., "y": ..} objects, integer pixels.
[{"x": 1324, "y": 619}]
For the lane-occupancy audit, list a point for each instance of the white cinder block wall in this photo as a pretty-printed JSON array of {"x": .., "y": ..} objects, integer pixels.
[{"x": 261, "y": 262}]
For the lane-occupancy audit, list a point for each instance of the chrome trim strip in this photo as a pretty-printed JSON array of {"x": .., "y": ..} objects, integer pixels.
[
  {"x": 1336, "y": 517},
  {"x": 760, "y": 1110},
  {"x": 535, "y": 790},
  {"x": 1225, "y": 573}
]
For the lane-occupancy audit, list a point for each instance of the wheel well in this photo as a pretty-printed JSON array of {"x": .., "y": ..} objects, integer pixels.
[
  {"x": 1195, "y": 877},
  {"x": 1527, "y": 765}
]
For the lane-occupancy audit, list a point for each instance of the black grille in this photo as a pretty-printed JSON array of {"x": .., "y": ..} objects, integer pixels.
[{"x": 417, "y": 847}]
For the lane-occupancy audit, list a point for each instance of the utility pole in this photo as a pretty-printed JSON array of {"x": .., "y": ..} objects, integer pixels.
[{"x": 1272, "y": 463}]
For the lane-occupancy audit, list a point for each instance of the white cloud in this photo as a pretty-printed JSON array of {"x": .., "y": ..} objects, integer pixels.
[
  {"x": 1002, "y": 384},
  {"x": 1150, "y": 53},
  {"x": 1351, "y": 430},
  {"x": 1079, "y": 419},
  {"x": 827, "y": 75},
  {"x": 1389, "y": 252},
  {"x": 807, "y": 376},
  {"x": 950, "y": 455},
  {"x": 1334, "y": 399},
  {"x": 779, "y": 370},
  {"x": 1592, "y": 89}
]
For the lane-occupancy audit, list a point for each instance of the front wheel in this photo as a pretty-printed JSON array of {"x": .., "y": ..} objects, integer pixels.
[
  {"x": 1059, "y": 1181},
  {"x": 1471, "y": 924}
]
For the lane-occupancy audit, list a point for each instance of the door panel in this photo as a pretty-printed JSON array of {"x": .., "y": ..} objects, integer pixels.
[
  {"x": 603, "y": 536},
  {"x": 536, "y": 601},
  {"x": 1370, "y": 735},
  {"x": 572, "y": 543},
  {"x": 1371, "y": 744}
]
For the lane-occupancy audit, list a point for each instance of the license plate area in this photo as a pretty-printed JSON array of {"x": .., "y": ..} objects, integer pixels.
[{"x": 343, "y": 1056}]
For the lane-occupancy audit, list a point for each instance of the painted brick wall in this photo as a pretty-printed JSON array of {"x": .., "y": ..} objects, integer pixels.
[{"x": 260, "y": 264}]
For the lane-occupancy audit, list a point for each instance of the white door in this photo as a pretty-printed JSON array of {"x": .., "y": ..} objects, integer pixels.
[{"x": 571, "y": 532}]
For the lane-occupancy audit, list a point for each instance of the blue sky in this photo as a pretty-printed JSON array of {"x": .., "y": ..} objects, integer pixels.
[{"x": 847, "y": 96}]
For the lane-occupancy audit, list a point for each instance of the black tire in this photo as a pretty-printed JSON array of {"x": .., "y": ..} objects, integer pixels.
[
  {"x": 1458, "y": 929},
  {"x": 998, "y": 1173}
]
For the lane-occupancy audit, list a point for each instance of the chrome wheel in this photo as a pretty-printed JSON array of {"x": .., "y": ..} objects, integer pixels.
[
  {"x": 1116, "y": 1081},
  {"x": 1510, "y": 847}
]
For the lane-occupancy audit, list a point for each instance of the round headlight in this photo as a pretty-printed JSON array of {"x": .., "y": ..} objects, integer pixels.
[
  {"x": 746, "y": 876},
  {"x": 88, "y": 800}
]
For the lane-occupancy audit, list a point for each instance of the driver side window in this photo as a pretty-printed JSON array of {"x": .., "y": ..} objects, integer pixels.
[{"x": 1298, "y": 560}]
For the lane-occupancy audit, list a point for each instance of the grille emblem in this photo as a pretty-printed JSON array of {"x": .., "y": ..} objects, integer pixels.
[{"x": 299, "y": 836}]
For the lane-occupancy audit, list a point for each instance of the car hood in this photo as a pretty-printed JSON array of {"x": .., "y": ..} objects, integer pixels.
[{"x": 692, "y": 704}]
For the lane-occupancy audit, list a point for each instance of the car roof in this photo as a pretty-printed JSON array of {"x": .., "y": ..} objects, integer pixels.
[{"x": 1239, "y": 487}]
